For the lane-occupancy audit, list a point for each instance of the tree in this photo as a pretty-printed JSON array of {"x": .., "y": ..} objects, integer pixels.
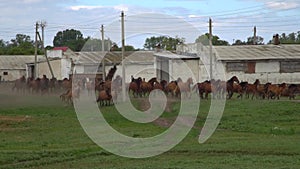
[
  {"x": 204, "y": 39},
  {"x": 259, "y": 40},
  {"x": 166, "y": 42},
  {"x": 71, "y": 38},
  {"x": 239, "y": 42},
  {"x": 290, "y": 38},
  {"x": 115, "y": 47},
  {"x": 96, "y": 45}
]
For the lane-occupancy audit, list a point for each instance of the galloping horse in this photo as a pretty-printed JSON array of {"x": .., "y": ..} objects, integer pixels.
[
  {"x": 134, "y": 86},
  {"x": 185, "y": 87},
  {"x": 44, "y": 85},
  {"x": 252, "y": 89},
  {"x": 275, "y": 90},
  {"x": 20, "y": 84},
  {"x": 147, "y": 87},
  {"x": 230, "y": 87}
]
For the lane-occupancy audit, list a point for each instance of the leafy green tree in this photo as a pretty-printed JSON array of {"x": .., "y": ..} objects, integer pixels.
[
  {"x": 96, "y": 45},
  {"x": 166, "y": 42},
  {"x": 204, "y": 39},
  {"x": 71, "y": 38},
  {"x": 127, "y": 48},
  {"x": 239, "y": 42},
  {"x": 259, "y": 40},
  {"x": 290, "y": 38}
]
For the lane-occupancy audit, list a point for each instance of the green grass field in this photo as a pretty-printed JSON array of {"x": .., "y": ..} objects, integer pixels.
[{"x": 41, "y": 132}]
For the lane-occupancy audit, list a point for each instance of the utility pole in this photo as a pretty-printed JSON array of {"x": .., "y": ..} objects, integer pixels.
[
  {"x": 35, "y": 49},
  {"x": 254, "y": 36},
  {"x": 103, "y": 63},
  {"x": 210, "y": 49},
  {"x": 123, "y": 60},
  {"x": 43, "y": 24}
]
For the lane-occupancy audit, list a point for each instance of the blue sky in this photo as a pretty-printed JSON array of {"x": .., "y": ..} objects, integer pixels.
[{"x": 232, "y": 19}]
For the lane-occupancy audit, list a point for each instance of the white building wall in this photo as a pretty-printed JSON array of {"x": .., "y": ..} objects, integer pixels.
[
  {"x": 54, "y": 53},
  {"x": 79, "y": 69},
  {"x": 184, "y": 69},
  {"x": 12, "y": 74},
  {"x": 66, "y": 67},
  {"x": 262, "y": 67}
]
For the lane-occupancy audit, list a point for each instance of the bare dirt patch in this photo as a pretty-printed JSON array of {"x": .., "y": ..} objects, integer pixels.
[
  {"x": 8, "y": 123},
  {"x": 14, "y": 118},
  {"x": 162, "y": 122}
]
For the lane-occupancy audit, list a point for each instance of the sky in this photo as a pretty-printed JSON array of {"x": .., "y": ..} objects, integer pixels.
[{"x": 231, "y": 19}]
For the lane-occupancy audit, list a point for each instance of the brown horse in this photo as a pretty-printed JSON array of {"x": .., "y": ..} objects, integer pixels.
[
  {"x": 230, "y": 87},
  {"x": 203, "y": 87},
  {"x": 147, "y": 87},
  {"x": 44, "y": 85},
  {"x": 172, "y": 88},
  {"x": 274, "y": 91},
  {"x": 252, "y": 89},
  {"x": 290, "y": 91},
  {"x": 134, "y": 86},
  {"x": 104, "y": 98},
  {"x": 20, "y": 85},
  {"x": 185, "y": 87},
  {"x": 34, "y": 85}
]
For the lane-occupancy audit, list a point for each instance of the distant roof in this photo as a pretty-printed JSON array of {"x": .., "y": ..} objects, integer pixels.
[
  {"x": 63, "y": 48},
  {"x": 170, "y": 55},
  {"x": 245, "y": 52},
  {"x": 141, "y": 57},
  {"x": 16, "y": 61},
  {"x": 258, "y": 52}
]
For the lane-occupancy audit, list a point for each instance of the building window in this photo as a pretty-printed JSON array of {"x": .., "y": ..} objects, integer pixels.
[
  {"x": 289, "y": 66},
  {"x": 250, "y": 67},
  {"x": 5, "y": 73},
  {"x": 236, "y": 67},
  {"x": 246, "y": 67}
]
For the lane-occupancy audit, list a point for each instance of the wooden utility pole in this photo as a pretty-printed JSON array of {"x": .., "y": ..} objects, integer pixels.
[
  {"x": 103, "y": 63},
  {"x": 35, "y": 50},
  {"x": 254, "y": 36},
  {"x": 123, "y": 59},
  {"x": 210, "y": 49},
  {"x": 43, "y": 24}
]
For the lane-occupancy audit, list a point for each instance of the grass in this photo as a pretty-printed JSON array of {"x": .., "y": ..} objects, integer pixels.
[{"x": 41, "y": 132}]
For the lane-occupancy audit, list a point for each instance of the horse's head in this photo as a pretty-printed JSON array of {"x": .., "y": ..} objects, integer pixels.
[
  {"x": 190, "y": 81},
  {"x": 179, "y": 80},
  {"x": 283, "y": 85},
  {"x": 235, "y": 79},
  {"x": 257, "y": 82}
]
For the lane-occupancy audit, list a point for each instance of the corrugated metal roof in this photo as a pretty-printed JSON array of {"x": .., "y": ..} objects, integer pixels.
[
  {"x": 257, "y": 52},
  {"x": 113, "y": 57},
  {"x": 15, "y": 61},
  {"x": 170, "y": 55}
]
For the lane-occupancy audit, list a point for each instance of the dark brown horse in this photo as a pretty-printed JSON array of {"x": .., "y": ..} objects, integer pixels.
[
  {"x": 20, "y": 85},
  {"x": 290, "y": 91},
  {"x": 252, "y": 89},
  {"x": 275, "y": 91},
  {"x": 134, "y": 86},
  {"x": 230, "y": 87},
  {"x": 104, "y": 98},
  {"x": 44, "y": 85},
  {"x": 185, "y": 87}
]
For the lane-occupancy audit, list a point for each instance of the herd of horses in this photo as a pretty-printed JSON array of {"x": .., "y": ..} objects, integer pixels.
[{"x": 107, "y": 91}]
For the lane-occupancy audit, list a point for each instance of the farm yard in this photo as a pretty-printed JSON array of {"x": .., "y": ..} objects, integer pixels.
[{"x": 43, "y": 132}]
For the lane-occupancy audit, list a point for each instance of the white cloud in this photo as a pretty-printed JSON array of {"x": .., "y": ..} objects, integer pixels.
[
  {"x": 282, "y": 5},
  {"x": 79, "y": 7},
  {"x": 195, "y": 16},
  {"x": 31, "y": 1},
  {"x": 121, "y": 8},
  {"x": 87, "y": 7}
]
